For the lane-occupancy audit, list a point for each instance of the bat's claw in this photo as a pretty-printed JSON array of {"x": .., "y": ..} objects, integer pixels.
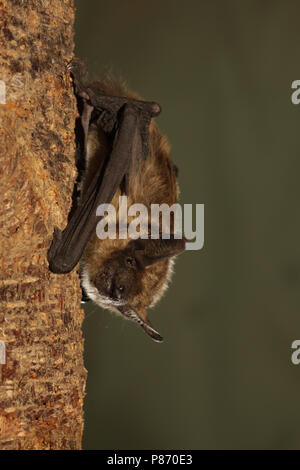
[
  {"x": 77, "y": 68},
  {"x": 156, "y": 109}
]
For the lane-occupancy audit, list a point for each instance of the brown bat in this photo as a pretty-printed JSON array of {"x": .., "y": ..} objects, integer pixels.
[{"x": 124, "y": 154}]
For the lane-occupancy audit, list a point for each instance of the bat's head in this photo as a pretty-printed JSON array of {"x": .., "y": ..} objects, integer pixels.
[{"x": 131, "y": 278}]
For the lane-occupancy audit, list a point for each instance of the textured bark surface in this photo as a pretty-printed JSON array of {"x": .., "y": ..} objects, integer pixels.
[{"x": 43, "y": 380}]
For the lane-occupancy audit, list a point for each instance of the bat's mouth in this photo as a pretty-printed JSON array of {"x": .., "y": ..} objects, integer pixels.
[{"x": 108, "y": 301}]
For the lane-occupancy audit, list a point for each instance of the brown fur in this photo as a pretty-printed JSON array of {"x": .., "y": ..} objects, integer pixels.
[{"x": 151, "y": 181}]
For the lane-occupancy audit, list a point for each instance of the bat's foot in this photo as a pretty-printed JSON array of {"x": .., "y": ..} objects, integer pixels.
[{"x": 78, "y": 70}]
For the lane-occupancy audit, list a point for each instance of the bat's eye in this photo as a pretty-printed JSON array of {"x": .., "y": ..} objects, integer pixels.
[{"x": 130, "y": 262}]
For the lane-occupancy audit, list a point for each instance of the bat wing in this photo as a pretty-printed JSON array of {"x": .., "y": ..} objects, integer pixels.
[
  {"x": 132, "y": 118},
  {"x": 67, "y": 246}
]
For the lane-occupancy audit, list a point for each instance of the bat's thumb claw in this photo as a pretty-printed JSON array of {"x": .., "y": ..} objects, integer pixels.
[
  {"x": 156, "y": 109},
  {"x": 77, "y": 68}
]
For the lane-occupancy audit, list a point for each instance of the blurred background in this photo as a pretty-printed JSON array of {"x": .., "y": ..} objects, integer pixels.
[{"x": 223, "y": 378}]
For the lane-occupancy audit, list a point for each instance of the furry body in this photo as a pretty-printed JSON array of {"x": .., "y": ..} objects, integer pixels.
[
  {"x": 151, "y": 181},
  {"x": 125, "y": 154}
]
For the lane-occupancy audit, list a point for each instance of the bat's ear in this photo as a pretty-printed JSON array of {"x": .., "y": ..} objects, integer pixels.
[
  {"x": 140, "y": 317},
  {"x": 150, "y": 251},
  {"x": 148, "y": 328}
]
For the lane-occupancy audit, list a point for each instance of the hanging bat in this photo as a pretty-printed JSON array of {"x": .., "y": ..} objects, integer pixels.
[{"x": 124, "y": 154}]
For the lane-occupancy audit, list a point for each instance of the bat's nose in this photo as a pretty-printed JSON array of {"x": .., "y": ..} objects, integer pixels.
[{"x": 118, "y": 291}]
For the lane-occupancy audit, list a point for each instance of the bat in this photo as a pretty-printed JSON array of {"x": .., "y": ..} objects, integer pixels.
[{"x": 123, "y": 153}]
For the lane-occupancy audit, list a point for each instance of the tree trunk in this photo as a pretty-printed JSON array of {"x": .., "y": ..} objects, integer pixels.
[{"x": 42, "y": 380}]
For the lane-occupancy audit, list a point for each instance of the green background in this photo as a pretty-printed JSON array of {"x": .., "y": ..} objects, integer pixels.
[{"x": 223, "y": 378}]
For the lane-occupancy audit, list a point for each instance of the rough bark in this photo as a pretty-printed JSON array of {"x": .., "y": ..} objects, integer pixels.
[{"x": 43, "y": 380}]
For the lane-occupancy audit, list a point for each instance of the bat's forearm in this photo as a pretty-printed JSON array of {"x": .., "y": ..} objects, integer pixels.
[{"x": 68, "y": 246}]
